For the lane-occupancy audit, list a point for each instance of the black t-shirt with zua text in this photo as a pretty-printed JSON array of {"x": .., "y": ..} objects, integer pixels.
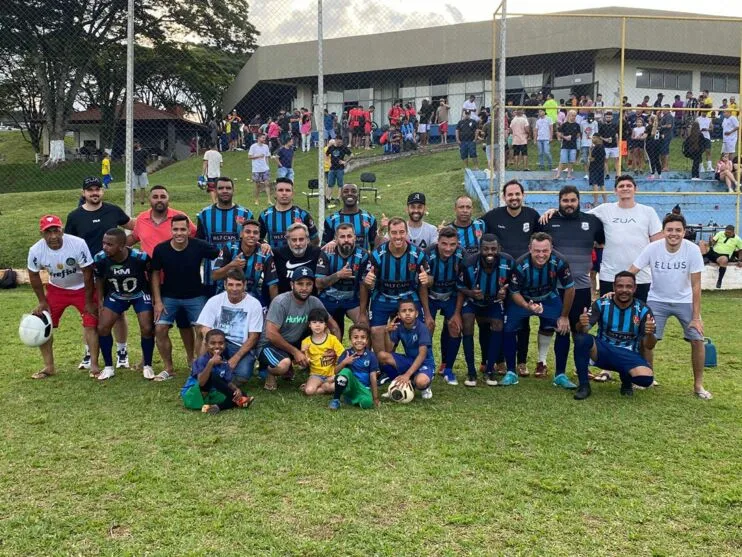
[
  {"x": 182, "y": 269},
  {"x": 92, "y": 225}
]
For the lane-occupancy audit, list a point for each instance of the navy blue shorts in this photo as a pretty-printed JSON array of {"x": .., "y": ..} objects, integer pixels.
[
  {"x": 516, "y": 316},
  {"x": 339, "y": 305},
  {"x": 403, "y": 363},
  {"x": 270, "y": 356},
  {"x": 382, "y": 311},
  {"x": 617, "y": 359},
  {"x": 119, "y": 306},
  {"x": 468, "y": 150},
  {"x": 491, "y": 311},
  {"x": 446, "y": 307}
]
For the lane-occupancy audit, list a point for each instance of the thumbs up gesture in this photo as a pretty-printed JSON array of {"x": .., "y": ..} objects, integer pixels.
[
  {"x": 502, "y": 292},
  {"x": 650, "y": 326},
  {"x": 370, "y": 279},
  {"x": 424, "y": 277},
  {"x": 585, "y": 318},
  {"x": 442, "y": 225},
  {"x": 239, "y": 262},
  {"x": 346, "y": 272},
  {"x": 477, "y": 294}
]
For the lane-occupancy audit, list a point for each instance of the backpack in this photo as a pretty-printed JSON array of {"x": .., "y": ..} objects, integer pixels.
[{"x": 9, "y": 279}]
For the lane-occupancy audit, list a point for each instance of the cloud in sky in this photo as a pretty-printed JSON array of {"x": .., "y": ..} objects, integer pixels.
[{"x": 285, "y": 21}]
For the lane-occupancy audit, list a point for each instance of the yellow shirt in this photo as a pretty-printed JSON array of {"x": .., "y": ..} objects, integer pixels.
[
  {"x": 319, "y": 364},
  {"x": 733, "y": 108},
  {"x": 105, "y": 167},
  {"x": 723, "y": 245},
  {"x": 327, "y": 162}
]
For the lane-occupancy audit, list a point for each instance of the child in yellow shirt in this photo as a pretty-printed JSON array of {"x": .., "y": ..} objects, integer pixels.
[
  {"x": 322, "y": 349},
  {"x": 105, "y": 170}
]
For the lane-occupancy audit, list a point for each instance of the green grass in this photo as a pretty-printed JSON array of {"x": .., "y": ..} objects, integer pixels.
[{"x": 122, "y": 468}]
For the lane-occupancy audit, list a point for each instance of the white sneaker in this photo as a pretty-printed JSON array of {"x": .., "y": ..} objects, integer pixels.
[
  {"x": 709, "y": 167},
  {"x": 470, "y": 382},
  {"x": 491, "y": 381},
  {"x": 107, "y": 373},
  {"x": 148, "y": 372},
  {"x": 427, "y": 394},
  {"x": 122, "y": 358},
  {"x": 703, "y": 394}
]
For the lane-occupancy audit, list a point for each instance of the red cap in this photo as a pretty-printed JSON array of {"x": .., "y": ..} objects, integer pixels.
[{"x": 49, "y": 221}]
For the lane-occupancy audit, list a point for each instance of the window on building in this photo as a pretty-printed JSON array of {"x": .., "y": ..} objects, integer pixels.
[
  {"x": 651, "y": 78},
  {"x": 720, "y": 82},
  {"x": 439, "y": 87}
]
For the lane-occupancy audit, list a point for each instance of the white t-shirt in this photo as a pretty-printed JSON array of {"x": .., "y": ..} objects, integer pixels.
[
  {"x": 213, "y": 160},
  {"x": 627, "y": 233},
  {"x": 65, "y": 264},
  {"x": 588, "y": 130},
  {"x": 671, "y": 271},
  {"x": 705, "y": 123},
  {"x": 543, "y": 129},
  {"x": 637, "y": 132},
  {"x": 236, "y": 320},
  {"x": 423, "y": 236},
  {"x": 260, "y": 164},
  {"x": 728, "y": 125},
  {"x": 471, "y": 106}
]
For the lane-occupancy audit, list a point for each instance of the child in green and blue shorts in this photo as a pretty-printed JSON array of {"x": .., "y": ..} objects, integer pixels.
[{"x": 356, "y": 372}]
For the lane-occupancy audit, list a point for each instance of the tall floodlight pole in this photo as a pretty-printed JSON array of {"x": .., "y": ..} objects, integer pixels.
[
  {"x": 501, "y": 95},
  {"x": 320, "y": 119}
]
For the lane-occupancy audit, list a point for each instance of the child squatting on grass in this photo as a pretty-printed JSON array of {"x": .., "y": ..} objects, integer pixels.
[
  {"x": 210, "y": 385},
  {"x": 357, "y": 372},
  {"x": 322, "y": 350}
]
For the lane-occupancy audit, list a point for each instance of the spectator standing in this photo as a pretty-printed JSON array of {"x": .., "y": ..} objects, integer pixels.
[
  {"x": 730, "y": 130},
  {"x": 543, "y": 134},
  {"x": 212, "y": 169},
  {"x": 426, "y": 114},
  {"x": 654, "y": 143},
  {"x": 667, "y": 129},
  {"x": 693, "y": 149},
  {"x": 285, "y": 156},
  {"x": 441, "y": 118},
  {"x": 338, "y": 162},
  {"x": 608, "y": 130},
  {"x": 139, "y": 181},
  {"x": 569, "y": 133},
  {"x": 679, "y": 117},
  {"x": 466, "y": 131},
  {"x": 705, "y": 124},
  {"x": 329, "y": 124},
  {"x": 520, "y": 129},
  {"x": 259, "y": 155},
  {"x": 588, "y": 128},
  {"x": 306, "y": 131},
  {"x": 471, "y": 106}
]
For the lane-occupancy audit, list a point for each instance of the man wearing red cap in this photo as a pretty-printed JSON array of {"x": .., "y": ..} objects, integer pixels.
[{"x": 68, "y": 261}]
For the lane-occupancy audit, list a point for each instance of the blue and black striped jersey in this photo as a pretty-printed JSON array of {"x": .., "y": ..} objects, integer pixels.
[
  {"x": 260, "y": 270},
  {"x": 623, "y": 328},
  {"x": 396, "y": 277},
  {"x": 344, "y": 289},
  {"x": 274, "y": 223},
  {"x": 445, "y": 273},
  {"x": 474, "y": 274},
  {"x": 127, "y": 280},
  {"x": 364, "y": 224},
  {"x": 220, "y": 227},
  {"x": 469, "y": 236},
  {"x": 536, "y": 284}
]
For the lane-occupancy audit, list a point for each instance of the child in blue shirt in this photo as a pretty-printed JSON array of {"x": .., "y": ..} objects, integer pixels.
[{"x": 356, "y": 372}]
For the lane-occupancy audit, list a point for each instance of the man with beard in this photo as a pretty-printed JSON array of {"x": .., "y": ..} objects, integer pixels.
[
  {"x": 396, "y": 271},
  {"x": 533, "y": 287},
  {"x": 574, "y": 234},
  {"x": 420, "y": 233},
  {"x": 625, "y": 329},
  {"x": 482, "y": 291},
  {"x": 220, "y": 224},
  {"x": 608, "y": 132},
  {"x": 275, "y": 220},
  {"x": 446, "y": 262},
  {"x": 339, "y": 276},
  {"x": 364, "y": 223},
  {"x": 90, "y": 222},
  {"x": 298, "y": 253},
  {"x": 286, "y": 325},
  {"x": 513, "y": 224},
  {"x": 154, "y": 227},
  {"x": 257, "y": 266}
]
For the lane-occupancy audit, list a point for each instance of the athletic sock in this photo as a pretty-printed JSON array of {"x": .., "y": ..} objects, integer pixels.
[
  {"x": 544, "y": 342},
  {"x": 452, "y": 351},
  {"x": 106, "y": 348},
  {"x": 643, "y": 380},
  {"x": 722, "y": 272},
  {"x": 340, "y": 383},
  {"x": 583, "y": 343},
  {"x": 121, "y": 346},
  {"x": 484, "y": 340},
  {"x": 469, "y": 355},
  {"x": 87, "y": 350},
  {"x": 561, "y": 351},
  {"x": 508, "y": 346},
  {"x": 493, "y": 349},
  {"x": 444, "y": 342},
  {"x": 148, "y": 348},
  {"x": 522, "y": 338}
]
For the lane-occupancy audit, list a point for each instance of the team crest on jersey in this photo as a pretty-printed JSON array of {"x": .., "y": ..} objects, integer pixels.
[
  {"x": 586, "y": 226},
  {"x": 356, "y": 267},
  {"x": 60, "y": 266},
  {"x": 526, "y": 227},
  {"x": 366, "y": 224},
  {"x": 70, "y": 261},
  {"x": 239, "y": 219},
  {"x": 637, "y": 320},
  {"x": 412, "y": 266},
  {"x": 552, "y": 274},
  {"x": 258, "y": 267},
  {"x": 297, "y": 219},
  {"x": 478, "y": 233}
]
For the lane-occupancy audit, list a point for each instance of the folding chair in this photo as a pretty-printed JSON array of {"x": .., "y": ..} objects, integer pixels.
[
  {"x": 368, "y": 183},
  {"x": 313, "y": 190}
]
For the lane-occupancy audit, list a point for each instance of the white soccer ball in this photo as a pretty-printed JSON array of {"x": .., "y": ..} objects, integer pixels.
[
  {"x": 401, "y": 393},
  {"x": 35, "y": 330}
]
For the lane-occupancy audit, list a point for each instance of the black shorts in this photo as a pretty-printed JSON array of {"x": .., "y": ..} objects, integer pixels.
[
  {"x": 713, "y": 256},
  {"x": 598, "y": 259},
  {"x": 357, "y": 131},
  {"x": 642, "y": 290},
  {"x": 520, "y": 149}
]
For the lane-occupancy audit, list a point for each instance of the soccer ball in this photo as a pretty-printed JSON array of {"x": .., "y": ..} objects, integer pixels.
[
  {"x": 35, "y": 330},
  {"x": 202, "y": 182},
  {"x": 401, "y": 393}
]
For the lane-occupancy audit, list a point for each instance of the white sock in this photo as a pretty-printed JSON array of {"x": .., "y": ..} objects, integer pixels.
[
  {"x": 120, "y": 346},
  {"x": 544, "y": 343},
  {"x": 87, "y": 350}
]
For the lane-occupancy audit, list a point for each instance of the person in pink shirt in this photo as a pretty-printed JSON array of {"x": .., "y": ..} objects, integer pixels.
[
  {"x": 519, "y": 128},
  {"x": 305, "y": 128},
  {"x": 725, "y": 173},
  {"x": 274, "y": 132}
]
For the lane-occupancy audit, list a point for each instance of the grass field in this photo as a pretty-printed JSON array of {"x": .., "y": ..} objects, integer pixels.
[{"x": 122, "y": 468}]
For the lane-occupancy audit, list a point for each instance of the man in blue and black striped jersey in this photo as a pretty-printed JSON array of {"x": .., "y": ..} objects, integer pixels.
[
  {"x": 338, "y": 276},
  {"x": 396, "y": 270},
  {"x": 258, "y": 267},
  {"x": 275, "y": 220},
  {"x": 534, "y": 291},
  {"x": 364, "y": 223},
  {"x": 469, "y": 230},
  {"x": 220, "y": 224},
  {"x": 123, "y": 282},
  {"x": 445, "y": 259},
  {"x": 483, "y": 286},
  {"x": 625, "y": 327}
]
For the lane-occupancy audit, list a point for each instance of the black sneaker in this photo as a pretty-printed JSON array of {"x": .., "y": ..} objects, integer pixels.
[
  {"x": 383, "y": 379},
  {"x": 583, "y": 391},
  {"x": 718, "y": 284},
  {"x": 627, "y": 390}
]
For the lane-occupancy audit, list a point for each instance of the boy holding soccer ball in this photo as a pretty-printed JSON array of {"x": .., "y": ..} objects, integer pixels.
[
  {"x": 416, "y": 365},
  {"x": 357, "y": 372}
]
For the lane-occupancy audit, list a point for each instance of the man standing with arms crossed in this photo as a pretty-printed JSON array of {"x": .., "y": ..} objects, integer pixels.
[
  {"x": 676, "y": 266},
  {"x": 275, "y": 220},
  {"x": 259, "y": 155}
]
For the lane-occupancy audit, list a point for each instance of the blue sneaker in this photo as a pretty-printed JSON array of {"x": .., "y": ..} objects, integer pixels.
[
  {"x": 450, "y": 377},
  {"x": 511, "y": 378},
  {"x": 561, "y": 380},
  {"x": 334, "y": 404}
]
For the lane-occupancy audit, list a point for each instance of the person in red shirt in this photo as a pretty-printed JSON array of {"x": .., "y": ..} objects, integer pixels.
[
  {"x": 368, "y": 115},
  {"x": 395, "y": 114},
  {"x": 357, "y": 126}
]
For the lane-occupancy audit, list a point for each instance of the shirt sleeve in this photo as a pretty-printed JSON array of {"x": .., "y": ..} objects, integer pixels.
[
  {"x": 276, "y": 313},
  {"x": 33, "y": 260},
  {"x": 599, "y": 231},
  {"x": 565, "y": 275},
  {"x": 336, "y": 346},
  {"x": 309, "y": 222},
  {"x": 373, "y": 362},
  {"x": 642, "y": 326},
  {"x": 516, "y": 279},
  {"x": 263, "y": 227},
  {"x": 270, "y": 276},
  {"x": 644, "y": 257},
  {"x": 655, "y": 226},
  {"x": 696, "y": 259},
  {"x": 594, "y": 313},
  {"x": 372, "y": 231},
  {"x": 423, "y": 336},
  {"x": 328, "y": 233},
  {"x": 200, "y": 231},
  {"x": 305, "y": 344},
  {"x": 210, "y": 251},
  {"x": 394, "y": 335},
  {"x": 157, "y": 258},
  {"x": 121, "y": 217},
  {"x": 199, "y": 364},
  {"x": 208, "y": 315},
  {"x": 255, "y": 323},
  {"x": 323, "y": 266},
  {"x": 84, "y": 259}
]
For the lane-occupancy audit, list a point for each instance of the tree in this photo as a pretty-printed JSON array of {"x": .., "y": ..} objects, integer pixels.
[{"x": 19, "y": 92}]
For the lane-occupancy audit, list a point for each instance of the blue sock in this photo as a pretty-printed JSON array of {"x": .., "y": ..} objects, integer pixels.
[
  {"x": 452, "y": 351},
  {"x": 493, "y": 349},
  {"x": 148, "y": 348},
  {"x": 106, "y": 348},
  {"x": 583, "y": 343},
  {"x": 561, "y": 351},
  {"x": 484, "y": 341},
  {"x": 469, "y": 355},
  {"x": 509, "y": 347}
]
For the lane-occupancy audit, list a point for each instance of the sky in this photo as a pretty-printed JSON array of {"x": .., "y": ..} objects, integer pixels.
[{"x": 285, "y": 21}]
